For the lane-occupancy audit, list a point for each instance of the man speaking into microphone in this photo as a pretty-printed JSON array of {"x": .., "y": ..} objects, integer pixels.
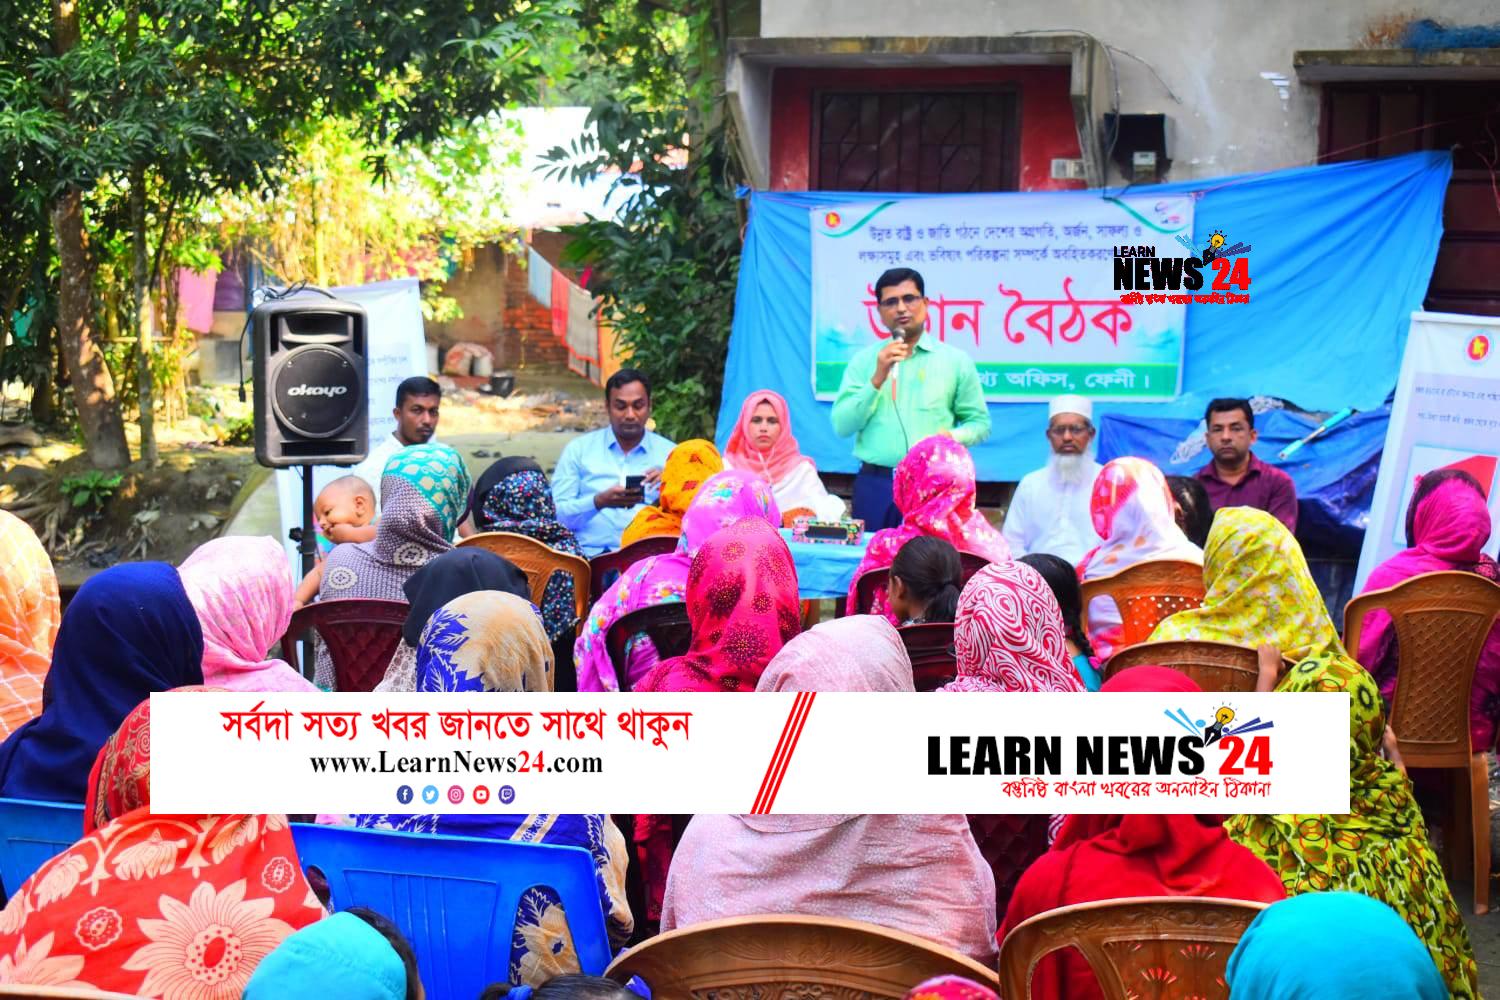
[{"x": 897, "y": 393}]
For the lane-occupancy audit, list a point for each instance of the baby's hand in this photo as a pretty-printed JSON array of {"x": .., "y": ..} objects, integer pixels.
[{"x": 340, "y": 533}]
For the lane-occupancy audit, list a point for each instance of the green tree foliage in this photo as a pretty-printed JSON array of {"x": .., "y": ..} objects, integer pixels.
[
  {"x": 666, "y": 269},
  {"x": 125, "y": 115}
]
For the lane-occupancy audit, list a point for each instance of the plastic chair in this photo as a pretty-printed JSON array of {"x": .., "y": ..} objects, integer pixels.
[
  {"x": 1213, "y": 666},
  {"x": 538, "y": 562},
  {"x": 1146, "y": 593},
  {"x": 1135, "y": 946},
  {"x": 603, "y": 569},
  {"x": 33, "y": 833},
  {"x": 361, "y": 635},
  {"x": 668, "y": 625},
  {"x": 455, "y": 898},
  {"x": 930, "y": 648},
  {"x": 873, "y": 581},
  {"x": 1442, "y": 622},
  {"x": 782, "y": 955},
  {"x": 1009, "y": 844}
]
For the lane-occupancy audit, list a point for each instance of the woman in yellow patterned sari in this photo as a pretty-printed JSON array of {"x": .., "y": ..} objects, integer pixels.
[
  {"x": 687, "y": 468},
  {"x": 1260, "y": 591},
  {"x": 1380, "y": 848}
]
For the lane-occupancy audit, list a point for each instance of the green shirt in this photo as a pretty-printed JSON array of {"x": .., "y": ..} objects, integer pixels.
[{"x": 936, "y": 389}]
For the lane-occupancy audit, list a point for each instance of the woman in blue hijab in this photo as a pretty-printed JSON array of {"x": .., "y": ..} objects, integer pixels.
[
  {"x": 1299, "y": 949},
  {"x": 130, "y": 630}
]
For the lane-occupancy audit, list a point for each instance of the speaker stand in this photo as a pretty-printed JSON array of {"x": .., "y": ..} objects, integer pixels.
[{"x": 308, "y": 549}]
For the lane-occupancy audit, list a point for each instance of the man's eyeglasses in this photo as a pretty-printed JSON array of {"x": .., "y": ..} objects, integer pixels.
[
  {"x": 1063, "y": 430},
  {"x": 902, "y": 300}
]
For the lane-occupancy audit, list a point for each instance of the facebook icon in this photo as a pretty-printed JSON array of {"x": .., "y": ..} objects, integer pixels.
[{"x": 404, "y": 794}]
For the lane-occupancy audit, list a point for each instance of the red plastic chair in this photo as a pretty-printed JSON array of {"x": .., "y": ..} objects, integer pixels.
[
  {"x": 604, "y": 568},
  {"x": 361, "y": 635},
  {"x": 668, "y": 626},
  {"x": 930, "y": 647},
  {"x": 873, "y": 581}
]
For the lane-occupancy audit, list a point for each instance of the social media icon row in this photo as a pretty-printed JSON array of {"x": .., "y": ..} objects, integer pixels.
[{"x": 480, "y": 795}]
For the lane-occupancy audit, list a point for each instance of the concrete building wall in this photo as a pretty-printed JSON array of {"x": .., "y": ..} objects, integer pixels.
[{"x": 1200, "y": 64}]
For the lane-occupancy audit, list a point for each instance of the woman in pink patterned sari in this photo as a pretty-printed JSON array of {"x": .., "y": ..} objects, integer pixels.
[
  {"x": 935, "y": 487},
  {"x": 241, "y": 588},
  {"x": 724, "y": 499},
  {"x": 1009, "y": 634},
  {"x": 1134, "y": 513}
]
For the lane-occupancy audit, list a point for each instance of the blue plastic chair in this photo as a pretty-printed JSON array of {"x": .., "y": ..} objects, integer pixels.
[
  {"x": 33, "y": 833},
  {"x": 455, "y": 898}
]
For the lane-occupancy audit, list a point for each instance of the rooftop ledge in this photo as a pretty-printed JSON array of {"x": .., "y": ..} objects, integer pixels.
[{"x": 1338, "y": 65}]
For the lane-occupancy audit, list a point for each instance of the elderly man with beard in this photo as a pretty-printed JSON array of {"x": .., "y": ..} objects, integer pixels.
[{"x": 1050, "y": 511}]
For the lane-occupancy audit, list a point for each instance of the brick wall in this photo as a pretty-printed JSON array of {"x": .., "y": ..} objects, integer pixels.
[{"x": 526, "y": 339}]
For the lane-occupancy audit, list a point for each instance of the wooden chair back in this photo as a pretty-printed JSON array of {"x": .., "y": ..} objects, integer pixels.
[
  {"x": 668, "y": 625},
  {"x": 603, "y": 569},
  {"x": 930, "y": 648},
  {"x": 361, "y": 635},
  {"x": 1442, "y": 622},
  {"x": 538, "y": 562},
  {"x": 1213, "y": 666},
  {"x": 62, "y": 993},
  {"x": 1147, "y": 593},
  {"x": 1135, "y": 946},
  {"x": 784, "y": 955}
]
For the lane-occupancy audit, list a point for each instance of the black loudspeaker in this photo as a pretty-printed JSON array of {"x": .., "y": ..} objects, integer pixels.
[{"x": 310, "y": 362}]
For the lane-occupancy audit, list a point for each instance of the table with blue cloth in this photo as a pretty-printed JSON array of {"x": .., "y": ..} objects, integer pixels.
[{"x": 823, "y": 570}]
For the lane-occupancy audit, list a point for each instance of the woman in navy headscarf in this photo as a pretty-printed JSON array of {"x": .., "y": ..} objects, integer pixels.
[{"x": 131, "y": 630}]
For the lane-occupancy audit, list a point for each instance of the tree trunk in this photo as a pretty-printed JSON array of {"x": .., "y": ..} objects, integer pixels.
[
  {"x": 42, "y": 410},
  {"x": 93, "y": 389},
  {"x": 138, "y": 315}
]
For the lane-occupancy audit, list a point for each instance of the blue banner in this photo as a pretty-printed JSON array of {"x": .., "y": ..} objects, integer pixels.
[{"x": 1341, "y": 255}]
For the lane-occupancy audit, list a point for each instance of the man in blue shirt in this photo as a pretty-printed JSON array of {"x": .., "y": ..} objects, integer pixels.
[{"x": 590, "y": 484}]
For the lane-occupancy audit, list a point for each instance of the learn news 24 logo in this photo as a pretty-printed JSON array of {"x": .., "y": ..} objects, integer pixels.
[
  {"x": 1242, "y": 750},
  {"x": 1143, "y": 269}
]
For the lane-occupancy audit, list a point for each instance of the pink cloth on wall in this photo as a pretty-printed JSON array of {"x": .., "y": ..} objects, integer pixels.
[{"x": 195, "y": 298}]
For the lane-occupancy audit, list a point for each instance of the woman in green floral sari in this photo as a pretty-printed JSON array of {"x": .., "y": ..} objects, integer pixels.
[{"x": 1380, "y": 848}]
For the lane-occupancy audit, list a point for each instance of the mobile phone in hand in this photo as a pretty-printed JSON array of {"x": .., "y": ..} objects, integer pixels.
[{"x": 636, "y": 487}]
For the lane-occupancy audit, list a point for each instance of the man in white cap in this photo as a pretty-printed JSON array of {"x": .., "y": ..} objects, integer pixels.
[{"x": 1050, "y": 511}]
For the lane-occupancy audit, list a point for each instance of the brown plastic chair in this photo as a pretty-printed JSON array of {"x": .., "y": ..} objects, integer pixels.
[
  {"x": 783, "y": 955},
  {"x": 668, "y": 626},
  {"x": 1147, "y": 593},
  {"x": 1136, "y": 946},
  {"x": 1442, "y": 622},
  {"x": 873, "y": 581},
  {"x": 1213, "y": 666},
  {"x": 604, "y": 568},
  {"x": 929, "y": 646},
  {"x": 361, "y": 635},
  {"x": 538, "y": 562}
]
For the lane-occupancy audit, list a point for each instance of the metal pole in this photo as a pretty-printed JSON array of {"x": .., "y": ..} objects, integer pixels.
[{"x": 308, "y": 547}]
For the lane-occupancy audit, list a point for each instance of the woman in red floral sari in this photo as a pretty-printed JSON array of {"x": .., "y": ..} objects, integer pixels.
[{"x": 155, "y": 906}]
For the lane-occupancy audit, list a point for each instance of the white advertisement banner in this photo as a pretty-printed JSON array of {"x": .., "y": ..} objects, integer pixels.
[
  {"x": 225, "y": 752},
  {"x": 1446, "y": 414}
]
